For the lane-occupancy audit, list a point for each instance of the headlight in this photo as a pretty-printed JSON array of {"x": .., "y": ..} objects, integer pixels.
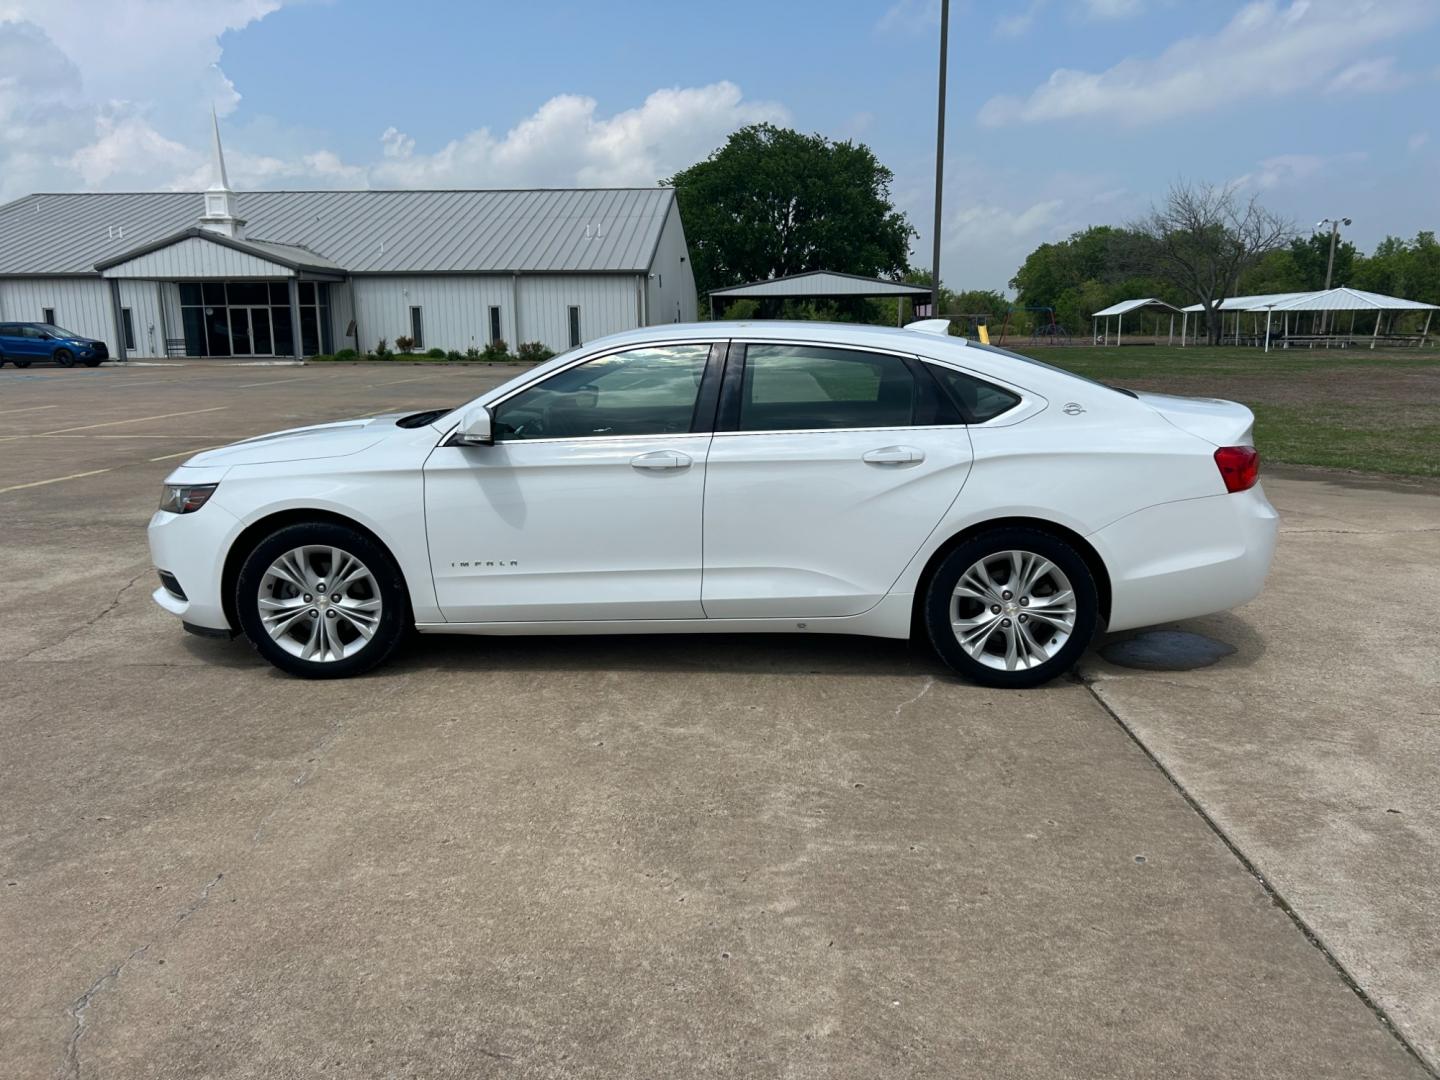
[{"x": 186, "y": 498}]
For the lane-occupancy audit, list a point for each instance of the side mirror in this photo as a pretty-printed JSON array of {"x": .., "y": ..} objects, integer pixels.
[{"x": 474, "y": 429}]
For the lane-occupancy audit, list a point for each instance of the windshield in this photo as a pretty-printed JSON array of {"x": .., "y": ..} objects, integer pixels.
[
  {"x": 1047, "y": 367},
  {"x": 54, "y": 331}
]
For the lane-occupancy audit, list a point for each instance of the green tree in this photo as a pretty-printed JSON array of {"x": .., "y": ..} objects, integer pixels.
[{"x": 772, "y": 202}]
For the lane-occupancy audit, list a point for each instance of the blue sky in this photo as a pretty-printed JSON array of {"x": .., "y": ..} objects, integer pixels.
[{"x": 1062, "y": 113}]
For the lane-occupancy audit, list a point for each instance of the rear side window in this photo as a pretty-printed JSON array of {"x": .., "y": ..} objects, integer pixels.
[
  {"x": 803, "y": 387},
  {"x": 976, "y": 399}
]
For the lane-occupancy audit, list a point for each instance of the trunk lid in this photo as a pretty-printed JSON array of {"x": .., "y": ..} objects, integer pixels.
[{"x": 1218, "y": 422}]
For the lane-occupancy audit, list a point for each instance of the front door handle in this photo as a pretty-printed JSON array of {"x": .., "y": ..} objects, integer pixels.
[
  {"x": 894, "y": 455},
  {"x": 661, "y": 459}
]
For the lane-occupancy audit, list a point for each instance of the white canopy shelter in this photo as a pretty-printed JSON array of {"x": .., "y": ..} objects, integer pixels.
[
  {"x": 1127, "y": 307},
  {"x": 1353, "y": 300}
]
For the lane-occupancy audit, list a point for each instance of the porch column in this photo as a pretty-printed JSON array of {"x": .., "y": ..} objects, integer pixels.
[
  {"x": 118, "y": 320},
  {"x": 355, "y": 317},
  {"x": 297, "y": 347},
  {"x": 164, "y": 319}
]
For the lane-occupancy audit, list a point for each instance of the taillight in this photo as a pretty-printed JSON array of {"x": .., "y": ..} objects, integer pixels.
[{"x": 1239, "y": 467}]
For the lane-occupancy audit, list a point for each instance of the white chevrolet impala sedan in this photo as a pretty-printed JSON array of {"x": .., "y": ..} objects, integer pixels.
[{"x": 794, "y": 478}]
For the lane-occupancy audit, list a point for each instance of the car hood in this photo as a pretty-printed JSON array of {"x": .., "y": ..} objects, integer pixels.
[
  {"x": 303, "y": 443},
  {"x": 1224, "y": 423}
]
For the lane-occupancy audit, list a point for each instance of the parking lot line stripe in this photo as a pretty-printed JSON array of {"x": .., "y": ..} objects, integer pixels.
[
  {"x": 53, "y": 480},
  {"x": 32, "y": 408},
  {"x": 137, "y": 420},
  {"x": 183, "y": 453}
]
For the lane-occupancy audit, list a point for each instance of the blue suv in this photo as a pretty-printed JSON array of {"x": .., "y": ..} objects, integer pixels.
[{"x": 22, "y": 343}]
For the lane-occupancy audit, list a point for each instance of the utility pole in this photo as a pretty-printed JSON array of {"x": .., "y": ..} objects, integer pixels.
[
  {"x": 939, "y": 161},
  {"x": 1334, "y": 224}
]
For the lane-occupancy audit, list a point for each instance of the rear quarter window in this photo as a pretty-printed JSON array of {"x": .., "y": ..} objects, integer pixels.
[{"x": 976, "y": 399}]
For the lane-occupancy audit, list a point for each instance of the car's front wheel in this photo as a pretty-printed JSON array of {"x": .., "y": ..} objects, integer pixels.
[
  {"x": 322, "y": 600},
  {"x": 1012, "y": 607},
  {"x": 64, "y": 357}
]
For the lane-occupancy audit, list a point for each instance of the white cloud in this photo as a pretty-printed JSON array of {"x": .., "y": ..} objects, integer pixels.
[
  {"x": 1291, "y": 170},
  {"x": 1367, "y": 77},
  {"x": 1268, "y": 49},
  {"x": 1025, "y": 19},
  {"x": 1113, "y": 9},
  {"x": 910, "y": 16},
  {"x": 138, "y": 117},
  {"x": 1416, "y": 141},
  {"x": 566, "y": 142}
]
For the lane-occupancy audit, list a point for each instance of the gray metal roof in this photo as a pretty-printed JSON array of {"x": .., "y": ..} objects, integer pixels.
[
  {"x": 1124, "y": 307},
  {"x": 538, "y": 231},
  {"x": 821, "y": 283},
  {"x": 293, "y": 256}
]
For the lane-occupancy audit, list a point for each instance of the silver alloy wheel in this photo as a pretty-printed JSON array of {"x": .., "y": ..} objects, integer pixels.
[
  {"x": 319, "y": 603},
  {"x": 1013, "y": 610}
]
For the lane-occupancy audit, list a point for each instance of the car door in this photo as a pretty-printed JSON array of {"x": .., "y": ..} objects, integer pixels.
[
  {"x": 588, "y": 505},
  {"x": 829, "y": 467},
  {"x": 10, "y": 341},
  {"x": 34, "y": 342}
]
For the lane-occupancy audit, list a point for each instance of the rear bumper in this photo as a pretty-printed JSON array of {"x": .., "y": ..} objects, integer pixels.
[
  {"x": 192, "y": 548},
  {"x": 1184, "y": 559}
]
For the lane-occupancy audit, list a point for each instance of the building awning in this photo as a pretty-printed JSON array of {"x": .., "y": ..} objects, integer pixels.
[
  {"x": 820, "y": 285},
  {"x": 198, "y": 254},
  {"x": 1125, "y": 307}
]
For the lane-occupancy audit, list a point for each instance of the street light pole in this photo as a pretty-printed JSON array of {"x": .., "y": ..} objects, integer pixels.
[{"x": 939, "y": 161}]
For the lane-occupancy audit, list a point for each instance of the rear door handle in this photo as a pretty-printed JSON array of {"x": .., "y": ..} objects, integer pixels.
[
  {"x": 661, "y": 459},
  {"x": 894, "y": 455}
]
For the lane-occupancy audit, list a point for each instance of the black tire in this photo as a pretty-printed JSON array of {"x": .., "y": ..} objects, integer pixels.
[
  {"x": 395, "y": 618},
  {"x": 63, "y": 357},
  {"x": 21, "y": 363},
  {"x": 941, "y": 607}
]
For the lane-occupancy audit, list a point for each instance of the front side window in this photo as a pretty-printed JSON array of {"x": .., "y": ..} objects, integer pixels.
[
  {"x": 805, "y": 387},
  {"x": 649, "y": 391}
]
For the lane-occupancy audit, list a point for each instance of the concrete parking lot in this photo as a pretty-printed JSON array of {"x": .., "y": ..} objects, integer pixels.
[{"x": 651, "y": 857}]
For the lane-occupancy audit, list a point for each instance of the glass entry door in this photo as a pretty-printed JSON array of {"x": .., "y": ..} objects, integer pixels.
[{"x": 250, "y": 332}]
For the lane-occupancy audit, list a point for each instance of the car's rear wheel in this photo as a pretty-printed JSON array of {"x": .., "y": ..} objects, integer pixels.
[
  {"x": 64, "y": 357},
  {"x": 322, "y": 600},
  {"x": 1012, "y": 607}
]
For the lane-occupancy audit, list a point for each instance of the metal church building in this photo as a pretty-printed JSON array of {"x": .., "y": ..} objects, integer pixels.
[{"x": 219, "y": 274}]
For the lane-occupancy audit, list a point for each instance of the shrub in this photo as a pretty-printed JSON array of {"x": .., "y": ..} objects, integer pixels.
[
  {"x": 346, "y": 354},
  {"x": 405, "y": 344},
  {"x": 472, "y": 353},
  {"x": 533, "y": 352},
  {"x": 453, "y": 354},
  {"x": 496, "y": 352},
  {"x": 320, "y": 358},
  {"x": 382, "y": 349},
  {"x": 435, "y": 354}
]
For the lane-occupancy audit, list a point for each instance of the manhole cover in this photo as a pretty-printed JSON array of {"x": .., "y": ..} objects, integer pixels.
[{"x": 1166, "y": 650}]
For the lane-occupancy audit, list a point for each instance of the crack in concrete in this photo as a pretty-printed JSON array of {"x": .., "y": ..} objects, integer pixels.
[
  {"x": 317, "y": 756},
  {"x": 70, "y": 1064},
  {"x": 1270, "y": 890},
  {"x": 88, "y": 623},
  {"x": 929, "y": 684},
  {"x": 1356, "y": 532}
]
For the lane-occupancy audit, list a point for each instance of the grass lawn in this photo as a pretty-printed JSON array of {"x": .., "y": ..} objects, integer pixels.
[{"x": 1373, "y": 412}]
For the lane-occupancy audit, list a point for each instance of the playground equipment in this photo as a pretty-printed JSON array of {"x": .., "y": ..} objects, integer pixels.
[{"x": 1047, "y": 329}]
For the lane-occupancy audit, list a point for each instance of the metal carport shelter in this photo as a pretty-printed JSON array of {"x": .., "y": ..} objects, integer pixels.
[
  {"x": 821, "y": 285},
  {"x": 1126, "y": 307}
]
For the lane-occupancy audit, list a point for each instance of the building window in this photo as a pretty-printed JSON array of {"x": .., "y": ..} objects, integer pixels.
[
  {"x": 417, "y": 328},
  {"x": 495, "y": 334},
  {"x": 574, "y": 327},
  {"x": 127, "y": 323},
  {"x": 47, "y": 315}
]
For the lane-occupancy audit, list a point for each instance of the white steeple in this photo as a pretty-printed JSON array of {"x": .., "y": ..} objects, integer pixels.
[{"x": 220, "y": 216}]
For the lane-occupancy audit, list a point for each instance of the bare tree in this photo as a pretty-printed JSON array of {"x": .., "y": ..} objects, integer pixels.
[{"x": 1203, "y": 237}]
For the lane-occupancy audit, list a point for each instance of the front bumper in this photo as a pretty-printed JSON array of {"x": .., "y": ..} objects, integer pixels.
[
  {"x": 1184, "y": 559},
  {"x": 192, "y": 547}
]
